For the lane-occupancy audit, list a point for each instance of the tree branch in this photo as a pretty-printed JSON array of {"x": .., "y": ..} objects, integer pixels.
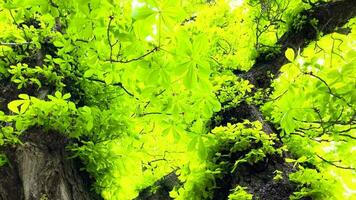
[
  {"x": 111, "y": 18},
  {"x": 329, "y": 15},
  {"x": 115, "y": 84},
  {"x": 329, "y": 89},
  {"x": 333, "y": 164},
  {"x": 137, "y": 58},
  {"x": 14, "y": 44}
]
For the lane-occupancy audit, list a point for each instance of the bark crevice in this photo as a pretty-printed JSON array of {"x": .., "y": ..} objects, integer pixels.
[{"x": 40, "y": 169}]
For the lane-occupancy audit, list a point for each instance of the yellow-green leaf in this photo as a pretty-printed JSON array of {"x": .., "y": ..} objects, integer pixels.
[
  {"x": 290, "y": 54},
  {"x": 24, "y": 106},
  {"x": 24, "y": 96},
  {"x": 14, "y": 106}
]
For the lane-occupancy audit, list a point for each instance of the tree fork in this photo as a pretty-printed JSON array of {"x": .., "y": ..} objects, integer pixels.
[{"x": 330, "y": 16}]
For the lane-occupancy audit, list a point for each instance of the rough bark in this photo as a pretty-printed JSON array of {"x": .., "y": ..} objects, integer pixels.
[
  {"x": 165, "y": 185},
  {"x": 330, "y": 16},
  {"x": 40, "y": 169}
]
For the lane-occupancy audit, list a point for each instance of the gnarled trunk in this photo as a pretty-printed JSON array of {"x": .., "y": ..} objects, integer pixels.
[{"x": 40, "y": 169}]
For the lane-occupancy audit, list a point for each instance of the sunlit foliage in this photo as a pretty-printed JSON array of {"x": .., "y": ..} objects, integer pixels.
[{"x": 138, "y": 83}]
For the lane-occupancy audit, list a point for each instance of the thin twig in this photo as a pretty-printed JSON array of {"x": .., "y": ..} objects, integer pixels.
[
  {"x": 114, "y": 84},
  {"x": 333, "y": 164},
  {"x": 14, "y": 44},
  {"x": 137, "y": 58},
  {"x": 347, "y": 135},
  {"x": 328, "y": 87},
  {"x": 111, "y": 18}
]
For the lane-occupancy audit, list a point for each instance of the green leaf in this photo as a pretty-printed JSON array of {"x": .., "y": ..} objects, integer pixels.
[
  {"x": 58, "y": 94},
  {"x": 58, "y": 43},
  {"x": 290, "y": 54},
  {"x": 289, "y": 160},
  {"x": 142, "y": 13},
  {"x": 66, "y": 96},
  {"x": 166, "y": 131},
  {"x": 302, "y": 159},
  {"x": 108, "y": 79},
  {"x": 176, "y": 135},
  {"x": 190, "y": 78},
  {"x": 89, "y": 125},
  {"x": 36, "y": 81},
  {"x": 89, "y": 73},
  {"x": 87, "y": 114},
  {"x": 287, "y": 122},
  {"x": 193, "y": 143},
  {"x": 24, "y": 96},
  {"x": 13, "y": 106},
  {"x": 2, "y": 115},
  {"x": 24, "y": 106},
  {"x": 202, "y": 150}
]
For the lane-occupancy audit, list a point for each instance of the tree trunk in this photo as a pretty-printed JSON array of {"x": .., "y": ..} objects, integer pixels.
[{"x": 39, "y": 169}]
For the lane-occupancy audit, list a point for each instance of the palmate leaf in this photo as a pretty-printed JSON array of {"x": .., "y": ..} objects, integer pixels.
[
  {"x": 171, "y": 13},
  {"x": 193, "y": 63}
]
